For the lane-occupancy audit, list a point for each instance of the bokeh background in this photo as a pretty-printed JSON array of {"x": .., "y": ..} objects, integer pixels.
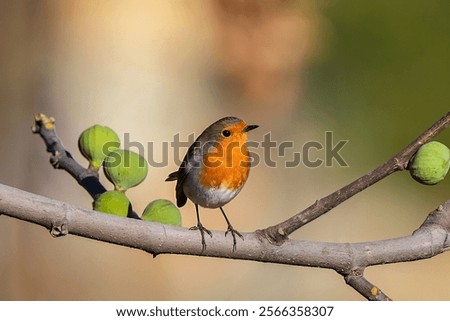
[{"x": 375, "y": 73}]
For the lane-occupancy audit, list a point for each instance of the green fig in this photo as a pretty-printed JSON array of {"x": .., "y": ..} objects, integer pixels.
[
  {"x": 162, "y": 211},
  {"x": 125, "y": 169},
  {"x": 431, "y": 163},
  {"x": 112, "y": 202},
  {"x": 96, "y": 142}
]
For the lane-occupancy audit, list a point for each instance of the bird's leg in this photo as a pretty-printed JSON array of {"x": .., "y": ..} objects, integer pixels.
[
  {"x": 231, "y": 230},
  {"x": 202, "y": 229}
]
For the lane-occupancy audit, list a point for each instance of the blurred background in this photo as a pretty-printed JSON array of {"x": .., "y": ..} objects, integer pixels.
[{"x": 373, "y": 73}]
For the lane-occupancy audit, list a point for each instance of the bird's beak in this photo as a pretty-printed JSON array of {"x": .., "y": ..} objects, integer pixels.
[{"x": 249, "y": 128}]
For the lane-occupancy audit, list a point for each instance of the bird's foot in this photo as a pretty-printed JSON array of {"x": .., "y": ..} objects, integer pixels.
[
  {"x": 202, "y": 230},
  {"x": 233, "y": 232}
]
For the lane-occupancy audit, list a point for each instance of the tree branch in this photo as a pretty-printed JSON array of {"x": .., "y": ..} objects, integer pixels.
[
  {"x": 357, "y": 281},
  {"x": 348, "y": 259},
  {"x": 269, "y": 245},
  {"x": 277, "y": 234},
  {"x": 62, "y": 159}
]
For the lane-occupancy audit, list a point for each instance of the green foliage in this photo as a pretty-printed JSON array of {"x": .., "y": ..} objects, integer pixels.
[{"x": 382, "y": 76}]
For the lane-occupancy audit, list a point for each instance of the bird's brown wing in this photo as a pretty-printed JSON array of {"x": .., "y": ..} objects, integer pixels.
[
  {"x": 191, "y": 161},
  {"x": 179, "y": 176}
]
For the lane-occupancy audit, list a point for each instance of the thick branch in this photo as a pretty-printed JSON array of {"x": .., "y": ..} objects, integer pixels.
[
  {"x": 61, "y": 218},
  {"x": 277, "y": 234}
]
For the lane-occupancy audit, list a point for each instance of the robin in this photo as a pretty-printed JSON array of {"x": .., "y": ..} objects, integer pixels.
[{"x": 214, "y": 170}]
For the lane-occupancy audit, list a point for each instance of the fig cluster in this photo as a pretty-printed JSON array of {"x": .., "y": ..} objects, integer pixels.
[{"x": 125, "y": 169}]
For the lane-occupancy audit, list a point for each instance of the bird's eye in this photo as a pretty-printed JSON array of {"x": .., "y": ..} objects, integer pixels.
[{"x": 226, "y": 133}]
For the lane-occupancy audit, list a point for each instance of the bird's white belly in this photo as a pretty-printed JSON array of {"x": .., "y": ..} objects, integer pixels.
[{"x": 211, "y": 197}]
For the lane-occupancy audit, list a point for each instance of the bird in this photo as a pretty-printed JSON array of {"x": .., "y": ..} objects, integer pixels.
[{"x": 214, "y": 170}]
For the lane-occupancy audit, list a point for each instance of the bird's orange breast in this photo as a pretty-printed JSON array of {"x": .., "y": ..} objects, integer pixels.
[{"x": 227, "y": 165}]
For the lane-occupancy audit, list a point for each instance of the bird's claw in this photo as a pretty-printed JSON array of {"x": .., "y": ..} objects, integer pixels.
[
  {"x": 202, "y": 230},
  {"x": 233, "y": 232}
]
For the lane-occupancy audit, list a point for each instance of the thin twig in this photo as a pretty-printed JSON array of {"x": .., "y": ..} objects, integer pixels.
[
  {"x": 62, "y": 159},
  {"x": 357, "y": 281},
  {"x": 278, "y": 233}
]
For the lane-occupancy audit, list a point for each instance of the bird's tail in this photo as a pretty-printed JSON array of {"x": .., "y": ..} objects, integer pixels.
[{"x": 172, "y": 177}]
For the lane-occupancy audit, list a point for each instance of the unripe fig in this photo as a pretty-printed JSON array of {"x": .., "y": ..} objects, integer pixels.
[
  {"x": 430, "y": 164},
  {"x": 162, "y": 211},
  {"x": 96, "y": 142},
  {"x": 112, "y": 202},
  {"x": 125, "y": 169}
]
